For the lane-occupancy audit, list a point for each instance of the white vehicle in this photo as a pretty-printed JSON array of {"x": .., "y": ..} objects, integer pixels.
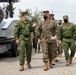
[{"x": 7, "y": 41}]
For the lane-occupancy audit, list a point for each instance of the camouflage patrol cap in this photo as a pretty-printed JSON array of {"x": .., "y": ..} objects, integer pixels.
[
  {"x": 60, "y": 20},
  {"x": 46, "y": 11},
  {"x": 65, "y": 17},
  {"x": 52, "y": 14},
  {"x": 24, "y": 13}
]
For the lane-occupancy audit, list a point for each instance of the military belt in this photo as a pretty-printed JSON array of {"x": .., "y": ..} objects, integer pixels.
[
  {"x": 27, "y": 36},
  {"x": 67, "y": 37}
]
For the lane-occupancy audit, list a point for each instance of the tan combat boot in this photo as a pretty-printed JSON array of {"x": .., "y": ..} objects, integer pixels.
[
  {"x": 60, "y": 55},
  {"x": 53, "y": 62},
  {"x": 46, "y": 66},
  {"x": 21, "y": 68},
  {"x": 67, "y": 63},
  {"x": 28, "y": 65},
  {"x": 56, "y": 60},
  {"x": 70, "y": 61},
  {"x": 50, "y": 64}
]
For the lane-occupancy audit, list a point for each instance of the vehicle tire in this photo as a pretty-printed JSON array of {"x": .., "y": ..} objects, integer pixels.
[{"x": 14, "y": 51}]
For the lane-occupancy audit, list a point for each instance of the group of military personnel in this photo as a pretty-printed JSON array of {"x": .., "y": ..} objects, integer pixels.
[{"x": 52, "y": 37}]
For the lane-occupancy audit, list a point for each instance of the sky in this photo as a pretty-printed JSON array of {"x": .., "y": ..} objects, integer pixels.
[{"x": 58, "y": 7}]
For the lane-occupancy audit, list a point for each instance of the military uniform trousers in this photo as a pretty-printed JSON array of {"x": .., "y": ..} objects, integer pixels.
[
  {"x": 66, "y": 46},
  {"x": 59, "y": 47},
  {"x": 25, "y": 50},
  {"x": 54, "y": 48},
  {"x": 35, "y": 42},
  {"x": 75, "y": 45},
  {"x": 48, "y": 51}
]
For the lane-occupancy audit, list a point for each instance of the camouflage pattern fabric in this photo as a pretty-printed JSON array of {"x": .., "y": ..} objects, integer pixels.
[
  {"x": 66, "y": 35},
  {"x": 22, "y": 33}
]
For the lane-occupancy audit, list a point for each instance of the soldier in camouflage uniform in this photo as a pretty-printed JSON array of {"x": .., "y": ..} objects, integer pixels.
[
  {"x": 35, "y": 34},
  {"x": 54, "y": 32},
  {"x": 35, "y": 39},
  {"x": 75, "y": 35},
  {"x": 46, "y": 41},
  {"x": 60, "y": 49},
  {"x": 22, "y": 35},
  {"x": 66, "y": 33}
]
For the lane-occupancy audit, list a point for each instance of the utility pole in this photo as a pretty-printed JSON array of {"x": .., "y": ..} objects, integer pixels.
[{"x": 52, "y": 11}]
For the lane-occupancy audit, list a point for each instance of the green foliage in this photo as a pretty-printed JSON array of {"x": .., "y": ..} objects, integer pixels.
[
  {"x": 27, "y": 10},
  {"x": 35, "y": 17}
]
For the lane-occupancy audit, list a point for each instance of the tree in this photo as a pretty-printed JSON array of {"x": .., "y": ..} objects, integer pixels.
[
  {"x": 36, "y": 17},
  {"x": 27, "y": 10}
]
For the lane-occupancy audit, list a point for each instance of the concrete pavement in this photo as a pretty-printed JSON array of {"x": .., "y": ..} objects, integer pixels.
[{"x": 10, "y": 66}]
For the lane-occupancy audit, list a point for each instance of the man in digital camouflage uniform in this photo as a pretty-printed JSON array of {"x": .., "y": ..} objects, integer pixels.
[
  {"x": 35, "y": 39},
  {"x": 22, "y": 34},
  {"x": 46, "y": 37},
  {"x": 59, "y": 46},
  {"x": 37, "y": 33},
  {"x": 54, "y": 32},
  {"x": 36, "y": 45},
  {"x": 66, "y": 36}
]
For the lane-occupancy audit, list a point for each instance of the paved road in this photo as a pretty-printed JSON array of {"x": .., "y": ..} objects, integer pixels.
[{"x": 10, "y": 66}]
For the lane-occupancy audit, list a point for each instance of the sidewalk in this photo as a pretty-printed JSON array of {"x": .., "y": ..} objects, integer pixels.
[{"x": 10, "y": 66}]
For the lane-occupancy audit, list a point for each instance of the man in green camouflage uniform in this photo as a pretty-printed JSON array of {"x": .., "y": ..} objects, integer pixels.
[
  {"x": 22, "y": 35},
  {"x": 46, "y": 39},
  {"x": 75, "y": 35},
  {"x": 66, "y": 33}
]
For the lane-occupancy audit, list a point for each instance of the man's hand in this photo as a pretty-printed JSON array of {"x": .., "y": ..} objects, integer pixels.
[
  {"x": 17, "y": 41},
  {"x": 39, "y": 40},
  {"x": 54, "y": 38},
  {"x": 60, "y": 42},
  {"x": 34, "y": 24}
]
